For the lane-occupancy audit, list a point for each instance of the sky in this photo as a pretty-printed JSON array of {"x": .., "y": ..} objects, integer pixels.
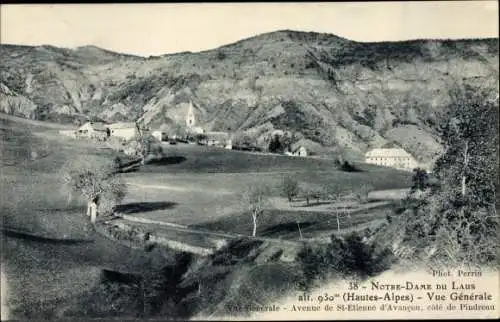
[{"x": 156, "y": 29}]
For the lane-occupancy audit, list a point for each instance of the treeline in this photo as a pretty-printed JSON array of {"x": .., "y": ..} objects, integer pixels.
[
  {"x": 293, "y": 189},
  {"x": 448, "y": 219},
  {"x": 453, "y": 220}
]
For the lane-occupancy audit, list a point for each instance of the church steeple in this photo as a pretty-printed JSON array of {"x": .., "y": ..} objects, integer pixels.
[{"x": 190, "y": 119}]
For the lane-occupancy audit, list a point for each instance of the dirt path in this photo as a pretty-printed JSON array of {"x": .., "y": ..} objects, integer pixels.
[
  {"x": 165, "y": 227},
  {"x": 155, "y": 186},
  {"x": 388, "y": 194},
  {"x": 347, "y": 207},
  {"x": 177, "y": 188}
]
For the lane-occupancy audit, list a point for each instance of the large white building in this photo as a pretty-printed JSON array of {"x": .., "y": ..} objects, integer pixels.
[{"x": 391, "y": 157}]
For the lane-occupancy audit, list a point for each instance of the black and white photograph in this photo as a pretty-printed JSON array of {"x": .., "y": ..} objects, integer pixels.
[{"x": 249, "y": 161}]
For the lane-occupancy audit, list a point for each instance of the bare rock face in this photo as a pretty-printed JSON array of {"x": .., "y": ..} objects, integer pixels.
[
  {"x": 320, "y": 87},
  {"x": 15, "y": 104}
]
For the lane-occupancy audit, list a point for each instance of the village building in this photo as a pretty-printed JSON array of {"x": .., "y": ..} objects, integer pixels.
[
  {"x": 160, "y": 135},
  {"x": 213, "y": 138},
  {"x": 391, "y": 157},
  {"x": 124, "y": 131},
  {"x": 218, "y": 139},
  {"x": 93, "y": 130},
  {"x": 298, "y": 151}
]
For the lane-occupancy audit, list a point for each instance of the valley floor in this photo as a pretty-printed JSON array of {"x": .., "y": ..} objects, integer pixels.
[{"x": 196, "y": 187}]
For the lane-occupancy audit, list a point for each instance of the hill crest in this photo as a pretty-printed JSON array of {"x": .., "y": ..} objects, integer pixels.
[{"x": 323, "y": 88}]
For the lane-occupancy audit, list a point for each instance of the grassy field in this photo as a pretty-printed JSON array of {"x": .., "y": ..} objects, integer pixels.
[
  {"x": 55, "y": 256},
  {"x": 284, "y": 224},
  {"x": 195, "y": 185},
  {"x": 191, "y": 185}
]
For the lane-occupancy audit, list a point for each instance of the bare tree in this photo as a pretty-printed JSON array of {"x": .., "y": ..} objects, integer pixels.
[
  {"x": 97, "y": 180},
  {"x": 342, "y": 214},
  {"x": 255, "y": 199},
  {"x": 312, "y": 191},
  {"x": 362, "y": 192},
  {"x": 145, "y": 144},
  {"x": 457, "y": 222},
  {"x": 290, "y": 188}
]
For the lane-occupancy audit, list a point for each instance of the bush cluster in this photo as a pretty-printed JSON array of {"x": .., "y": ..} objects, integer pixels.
[
  {"x": 349, "y": 256},
  {"x": 346, "y": 166}
]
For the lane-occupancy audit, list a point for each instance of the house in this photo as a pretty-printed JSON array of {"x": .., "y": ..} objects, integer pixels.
[
  {"x": 93, "y": 130},
  {"x": 391, "y": 157},
  {"x": 300, "y": 151},
  {"x": 218, "y": 138},
  {"x": 123, "y": 130}
]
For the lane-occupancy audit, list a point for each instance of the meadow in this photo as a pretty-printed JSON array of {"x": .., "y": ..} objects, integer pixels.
[
  {"x": 202, "y": 186},
  {"x": 50, "y": 254},
  {"x": 192, "y": 185}
]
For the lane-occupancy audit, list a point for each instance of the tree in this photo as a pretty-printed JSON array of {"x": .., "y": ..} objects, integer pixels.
[
  {"x": 280, "y": 143},
  {"x": 242, "y": 139},
  {"x": 97, "y": 180},
  {"x": 468, "y": 170},
  {"x": 200, "y": 138},
  {"x": 311, "y": 191},
  {"x": 469, "y": 132},
  {"x": 458, "y": 222},
  {"x": 290, "y": 188},
  {"x": 255, "y": 199},
  {"x": 275, "y": 144},
  {"x": 145, "y": 144}
]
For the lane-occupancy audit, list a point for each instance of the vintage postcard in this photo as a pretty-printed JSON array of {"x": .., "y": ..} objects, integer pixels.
[{"x": 261, "y": 161}]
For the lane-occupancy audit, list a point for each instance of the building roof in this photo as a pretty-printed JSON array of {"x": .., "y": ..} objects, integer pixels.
[
  {"x": 97, "y": 126},
  {"x": 122, "y": 125},
  {"x": 386, "y": 152},
  {"x": 217, "y": 136},
  {"x": 298, "y": 148},
  {"x": 309, "y": 145}
]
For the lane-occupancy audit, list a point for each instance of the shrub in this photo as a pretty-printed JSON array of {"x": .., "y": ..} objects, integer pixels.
[
  {"x": 275, "y": 145},
  {"x": 350, "y": 256},
  {"x": 456, "y": 223},
  {"x": 346, "y": 166},
  {"x": 242, "y": 139},
  {"x": 221, "y": 55},
  {"x": 420, "y": 180}
]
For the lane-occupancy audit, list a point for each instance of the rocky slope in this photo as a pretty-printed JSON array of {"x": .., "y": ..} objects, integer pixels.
[{"x": 325, "y": 89}]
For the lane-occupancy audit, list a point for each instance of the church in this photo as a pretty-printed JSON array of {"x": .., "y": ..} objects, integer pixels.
[
  {"x": 221, "y": 139},
  {"x": 191, "y": 121}
]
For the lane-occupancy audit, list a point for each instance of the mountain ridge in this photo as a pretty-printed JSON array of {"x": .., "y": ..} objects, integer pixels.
[{"x": 322, "y": 88}]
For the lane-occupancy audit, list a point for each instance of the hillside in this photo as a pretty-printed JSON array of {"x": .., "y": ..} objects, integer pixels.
[{"x": 326, "y": 89}]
